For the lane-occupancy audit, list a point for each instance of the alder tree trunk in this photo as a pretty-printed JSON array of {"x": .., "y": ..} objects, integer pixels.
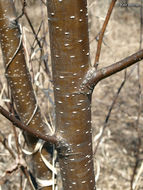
[
  {"x": 19, "y": 81},
  {"x": 68, "y": 27}
]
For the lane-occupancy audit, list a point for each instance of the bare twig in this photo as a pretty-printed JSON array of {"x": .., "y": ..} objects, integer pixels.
[
  {"x": 39, "y": 44},
  {"x": 109, "y": 112},
  {"x": 23, "y": 10},
  {"x": 101, "y": 35}
]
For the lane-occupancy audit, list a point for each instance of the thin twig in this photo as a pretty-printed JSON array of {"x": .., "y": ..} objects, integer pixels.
[
  {"x": 23, "y": 10},
  {"x": 101, "y": 35},
  {"x": 110, "y": 110},
  {"x": 39, "y": 44}
]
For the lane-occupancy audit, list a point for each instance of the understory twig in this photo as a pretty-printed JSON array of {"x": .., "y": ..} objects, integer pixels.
[{"x": 101, "y": 34}]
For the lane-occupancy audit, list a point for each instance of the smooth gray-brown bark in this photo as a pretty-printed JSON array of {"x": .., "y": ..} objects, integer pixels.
[{"x": 68, "y": 26}]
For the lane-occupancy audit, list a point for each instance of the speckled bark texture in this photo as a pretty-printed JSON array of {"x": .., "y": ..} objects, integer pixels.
[
  {"x": 20, "y": 83},
  {"x": 68, "y": 26}
]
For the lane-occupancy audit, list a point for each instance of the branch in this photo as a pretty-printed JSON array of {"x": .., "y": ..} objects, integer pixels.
[
  {"x": 51, "y": 139},
  {"x": 39, "y": 44},
  {"x": 101, "y": 35},
  {"x": 93, "y": 77}
]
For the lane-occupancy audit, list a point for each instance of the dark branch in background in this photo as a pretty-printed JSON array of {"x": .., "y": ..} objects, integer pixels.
[
  {"x": 101, "y": 35},
  {"x": 95, "y": 76},
  {"x": 51, "y": 139},
  {"x": 39, "y": 44},
  {"x": 126, "y": 77},
  {"x": 109, "y": 113},
  {"x": 24, "y": 12}
]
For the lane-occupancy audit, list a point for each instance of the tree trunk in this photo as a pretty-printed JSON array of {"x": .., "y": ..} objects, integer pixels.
[
  {"x": 68, "y": 26},
  {"x": 20, "y": 84}
]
